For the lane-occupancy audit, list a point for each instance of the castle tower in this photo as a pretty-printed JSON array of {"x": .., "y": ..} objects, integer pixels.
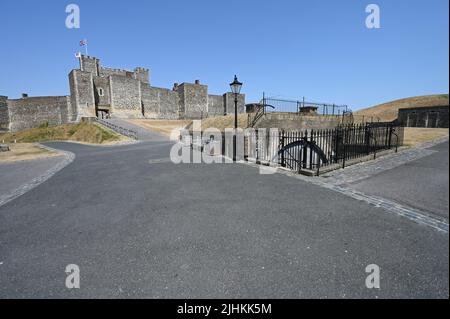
[
  {"x": 142, "y": 74},
  {"x": 90, "y": 64}
]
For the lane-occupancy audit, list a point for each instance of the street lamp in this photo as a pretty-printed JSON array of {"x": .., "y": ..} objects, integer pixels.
[{"x": 236, "y": 89}]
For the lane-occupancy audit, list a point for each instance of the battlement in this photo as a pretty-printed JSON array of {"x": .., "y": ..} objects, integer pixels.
[
  {"x": 141, "y": 69},
  {"x": 116, "y": 70}
]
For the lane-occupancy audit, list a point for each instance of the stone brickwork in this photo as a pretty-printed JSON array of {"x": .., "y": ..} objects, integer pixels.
[
  {"x": 125, "y": 93},
  {"x": 4, "y": 113},
  {"x": 431, "y": 117},
  {"x": 131, "y": 95},
  {"x": 216, "y": 105},
  {"x": 292, "y": 121},
  {"x": 97, "y": 91},
  {"x": 193, "y": 100},
  {"x": 229, "y": 103},
  {"x": 32, "y": 112},
  {"x": 159, "y": 103}
]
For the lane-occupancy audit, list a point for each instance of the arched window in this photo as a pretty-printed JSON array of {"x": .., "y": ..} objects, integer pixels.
[{"x": 100, "y": 92}]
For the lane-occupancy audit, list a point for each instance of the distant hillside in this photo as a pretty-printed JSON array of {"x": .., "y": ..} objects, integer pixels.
[{"x": 389, "y": 111}]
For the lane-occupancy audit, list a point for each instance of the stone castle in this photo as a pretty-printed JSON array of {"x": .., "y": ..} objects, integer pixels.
[{"x": 97, "y": 91}]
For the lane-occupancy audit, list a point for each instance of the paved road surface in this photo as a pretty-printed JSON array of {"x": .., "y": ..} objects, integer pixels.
[
  {"x": 422, "y": 184},
  {"x": 161, "y": 230},
  {"x": 143, "y": 134}
]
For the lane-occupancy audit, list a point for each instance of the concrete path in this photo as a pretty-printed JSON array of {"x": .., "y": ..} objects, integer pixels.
[
  {"x": 143, "y": 134},
  {"x": 138, "y": 225}
]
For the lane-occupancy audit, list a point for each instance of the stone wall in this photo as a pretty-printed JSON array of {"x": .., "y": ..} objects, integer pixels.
[
  {"x": 216, "y": 106},
  {"x": 89, "y": 64},
  {"x": 109, "y": 71},
  {"x": 431, "y": 117},
  {"x": 229, "y": 103},
  {"x": 142, "y": 75},
  {"x": 32, "y": 112},
  {"x": 288, "y": 121},
  {"x": 102, "y": 95},
  {"x": 125, "y": 93},
  {"x": 82, "y": 93},
  {"x": 4, "y": 113},
  {"x": 159, "y": 103},
  {"x": 193, "y": 100}
]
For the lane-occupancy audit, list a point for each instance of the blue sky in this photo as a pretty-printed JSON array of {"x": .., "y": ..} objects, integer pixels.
[{"x": 320, "y": 49}]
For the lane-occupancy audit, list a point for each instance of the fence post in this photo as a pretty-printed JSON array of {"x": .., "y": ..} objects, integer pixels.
[
  {"x": 304, "y": 150},
  {"x": 344, "y": 148},
  {"x": 282, "y": 147}
]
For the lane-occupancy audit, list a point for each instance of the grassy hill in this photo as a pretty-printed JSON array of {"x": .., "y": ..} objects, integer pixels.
[
  {"x": 82, "y": 132},
  {"x": 389, "y": 111}
]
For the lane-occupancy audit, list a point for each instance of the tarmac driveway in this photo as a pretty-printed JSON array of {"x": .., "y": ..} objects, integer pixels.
[
  {"x": 140, "y": 226},
  {"x": 421, "y": 184}
]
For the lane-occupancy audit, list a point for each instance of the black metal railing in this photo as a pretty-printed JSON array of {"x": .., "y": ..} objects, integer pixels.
[
  {"x": 119, "y": 129},
  {"x": 315, "y": 149},
  {"x": 295, "y": 106}
]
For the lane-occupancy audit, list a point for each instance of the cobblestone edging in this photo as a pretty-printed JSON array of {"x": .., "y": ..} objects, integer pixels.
[
  {"x": 339, "y": 181},
  {"x": 68, "y": 158}
]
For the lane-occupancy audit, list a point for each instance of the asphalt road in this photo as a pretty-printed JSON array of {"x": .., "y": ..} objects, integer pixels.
[
  {"x": 15, "y": 174},
  {"x": 422, "y": 184},
  {"x": 159, "y": 230}
]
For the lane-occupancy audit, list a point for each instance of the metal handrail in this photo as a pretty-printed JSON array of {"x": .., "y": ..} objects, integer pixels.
[{"x": 119, "y": 129}]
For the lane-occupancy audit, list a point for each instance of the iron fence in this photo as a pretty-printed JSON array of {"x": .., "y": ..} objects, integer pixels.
[
  {"x": 315, "y": 149},
  {"x": 294, "y": 106}
]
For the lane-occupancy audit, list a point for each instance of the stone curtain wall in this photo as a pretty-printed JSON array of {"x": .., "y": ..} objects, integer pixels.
[
  {"x": 4, "y": 114},
  {"x": 159, "y": 103},
  {"x": 431, "y": 117},
  {"x": 82, "y": 93},
  {"x": 193, "y": 100},
  {"x": 216, "y": 105},
  {"x": 125, "y": 93},
  {"x": 104, "y": 84},
  {"x": 35, "y": 111},
  {"x": 229, "y": 103}
]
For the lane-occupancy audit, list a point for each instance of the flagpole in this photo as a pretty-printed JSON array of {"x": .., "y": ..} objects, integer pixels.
[{"x": 86, "y": 46}]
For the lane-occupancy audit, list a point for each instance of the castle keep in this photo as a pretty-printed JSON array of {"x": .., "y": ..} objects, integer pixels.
[{"x": 97, "y": 91}]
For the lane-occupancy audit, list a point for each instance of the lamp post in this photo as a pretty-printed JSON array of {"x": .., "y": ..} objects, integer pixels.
[{"x": 236, "y": 89}]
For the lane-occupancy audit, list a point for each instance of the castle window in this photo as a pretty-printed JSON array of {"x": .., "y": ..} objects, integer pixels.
[{"x": 100, "y": 92}]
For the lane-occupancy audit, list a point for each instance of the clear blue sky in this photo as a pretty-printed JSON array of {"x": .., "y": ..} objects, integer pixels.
[{"x": 320, "y": 49}]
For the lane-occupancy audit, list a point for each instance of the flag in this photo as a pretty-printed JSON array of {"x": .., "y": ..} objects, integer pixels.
[{"x": 83, "y": 43}]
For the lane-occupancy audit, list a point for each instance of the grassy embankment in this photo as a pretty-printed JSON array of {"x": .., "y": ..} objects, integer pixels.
[{"x": 22, "y": 147}]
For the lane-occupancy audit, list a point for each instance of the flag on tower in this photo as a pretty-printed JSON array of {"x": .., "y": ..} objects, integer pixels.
[{"x": 84, "y": 43}]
